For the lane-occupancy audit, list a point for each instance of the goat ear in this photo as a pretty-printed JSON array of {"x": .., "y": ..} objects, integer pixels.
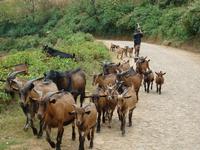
[
  {"x": 164, "y": 73},
  {"x": 74, "y": 106},
  {"x": 156, "y": 73},
  {"x": 87, "y": 112},
  {"x": 52, "y": 101},
  {"x": 127, "y": 97},
  {"x": 72, "y": 113}
]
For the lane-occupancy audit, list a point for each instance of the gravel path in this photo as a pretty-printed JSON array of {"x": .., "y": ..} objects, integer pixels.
[{"x": 170, "y": 121}]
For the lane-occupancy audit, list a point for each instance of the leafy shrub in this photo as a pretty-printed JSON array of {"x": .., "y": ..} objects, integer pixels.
[{"x": 88, "y": 53}]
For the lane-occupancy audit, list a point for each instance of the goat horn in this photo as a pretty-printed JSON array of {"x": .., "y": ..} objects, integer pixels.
[
  {"x": 50, "y": 94},
  {"x": 125, "y": 92},
  {"x": 13, "y": 74}
]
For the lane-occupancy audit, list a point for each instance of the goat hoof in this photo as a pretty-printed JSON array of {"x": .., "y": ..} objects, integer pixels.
[
  {"x": 91, "y": 145},
  {"x": 73, "y": 138},
  {"x": 123, "y": 133},
  {"x": 109, "y": 126},
  {"x": 53, "y": 145},
  {"x": 35, "y": 132},
  {"x": 58, "y": 148},
  {"x": 130, "y": 124},
  {"x": 39, "y": 136},
  {"x": 25, "y": 129},
  {"x": 98, "y": 131}
]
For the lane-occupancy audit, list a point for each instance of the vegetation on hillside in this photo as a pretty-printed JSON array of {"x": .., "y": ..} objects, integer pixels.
[{"x": 25, "y": 24}]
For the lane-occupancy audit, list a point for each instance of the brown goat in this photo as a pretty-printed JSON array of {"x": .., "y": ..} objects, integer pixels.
[
  {"x": 130, "y": 78},
  {"x": 159, "y": 81},
  {"x": 73, "y": 81},
  {"x": 148, "y": 79},
  {"x": 130, "y": 51},
  {"x": 21, "y": 67},
  {"x": 99, "y": 99},
  {"x": 86, "y": 118},
  {"x": 103, "y": 80},
  {"x": 112, "y": 47},
  {"x": 111, "y": 101},
  {"x": 13, "y": 83},
  {"x": 142, "y": 65},
  {"x": 120, "y": 52},
  {"x": 33, "y": 91},
  {"x": 124, "y": 66},
  {"x": 54, "y": 109},
  {"x": 126, "y": 103},
  {"x": 110, "y": 68}
]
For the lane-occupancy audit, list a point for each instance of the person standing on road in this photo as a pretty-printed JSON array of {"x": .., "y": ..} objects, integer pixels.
[{"x": 138, "y": 34}]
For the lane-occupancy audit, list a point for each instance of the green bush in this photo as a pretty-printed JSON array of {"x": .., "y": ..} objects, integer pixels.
[
  {"x": 191, "y": 19},
  {"x": 88, "y": 53}
]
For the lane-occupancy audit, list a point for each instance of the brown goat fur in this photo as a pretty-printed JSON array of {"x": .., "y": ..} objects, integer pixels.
[
  {"x": 124, "y": 66},
  {"x": 148, "y": 79},
  {"x": 126, "y": 103},
  {"x": 159, "y": 81},
  {"x": 111, "y": 100},
  {"x": 110, "y": 68},
  {"x": 14, "y": 83},
  {"x": 120, "y": 52},
  {"x": 112, "y": 47},
  {"x": 99, "y": 99},
  {"x": 55, "y": 110},
  {"x": 142, "y": 65},
  {"x": 103, "y": 80},
  {"x": 130, "y": 51},
  {"x": 134, "y": 79},
  {"x": 86, "y": 118},
  {"x": 31, "y": 92},
  {"x": 21, "y": 67}
]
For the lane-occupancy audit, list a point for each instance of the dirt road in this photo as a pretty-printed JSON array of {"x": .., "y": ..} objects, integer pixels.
[{"x": 170, "y": 121}]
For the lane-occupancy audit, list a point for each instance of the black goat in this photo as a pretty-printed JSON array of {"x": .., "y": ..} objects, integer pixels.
[{"x": 56, "y": 53}]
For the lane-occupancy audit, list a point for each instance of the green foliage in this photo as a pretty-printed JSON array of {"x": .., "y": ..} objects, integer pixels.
[
  {"x": 191, "y": 19},
  {"x": 19, "y": 43},
  {"x": 88, "y": 54},
  {"x": 163, "y": 19}
]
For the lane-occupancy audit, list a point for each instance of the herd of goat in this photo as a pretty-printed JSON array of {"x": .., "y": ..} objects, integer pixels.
[{"x": 52, "y": 98}]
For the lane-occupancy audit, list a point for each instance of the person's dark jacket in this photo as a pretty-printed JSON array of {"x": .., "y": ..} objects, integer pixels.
[{"x": 137, "y": 37}]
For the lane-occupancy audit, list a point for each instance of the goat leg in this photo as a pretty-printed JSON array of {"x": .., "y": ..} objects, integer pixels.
[
  {"x": 59, "y": 136},
  {"x": 124, "y": 124},
  {"x": 82, "y": 97},
  {"x": 41, "y": 129},
  {"x": 130, "y": 117},
  {"x": 48, "y": 138},
  {"x": 92, "y": 137},
  {"x": 118, "y": 114},
  {"x": 73, "y": 131},
  {"x": 160, "y": 89},
  {"x": 148, "y": 84},
  {"x": 99, "y": 122},
  {"x": 157, "y": 88},
  {"x": 144, "y": 86},
  {"x": 104, "y": 117},
  {"x": 33, "y": 127},
  {"x": 151, "y": 85},
  {"x": 81, "y": 140}
]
